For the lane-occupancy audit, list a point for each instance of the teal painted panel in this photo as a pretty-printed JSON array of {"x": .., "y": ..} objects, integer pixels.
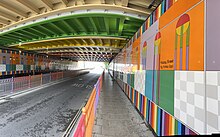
[
  {"x": 149, "y": 84},
  {"x": 129, "y": 79},
  {"x": 166, "y": 91},
  {"x": 132, "y": 80}
]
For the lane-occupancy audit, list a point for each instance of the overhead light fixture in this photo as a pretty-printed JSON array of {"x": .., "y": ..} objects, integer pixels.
[{"x": 20, "y": 42}]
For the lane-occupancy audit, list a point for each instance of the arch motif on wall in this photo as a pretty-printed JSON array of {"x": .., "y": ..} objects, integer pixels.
[
  {"x": 181, "y": 57},
  {"x": 156, "y": 68},
  {"x": 144, "y": 56}
]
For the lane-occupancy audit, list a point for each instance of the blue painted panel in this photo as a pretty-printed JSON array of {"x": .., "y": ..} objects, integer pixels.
[{"x": 149, "y": 84}]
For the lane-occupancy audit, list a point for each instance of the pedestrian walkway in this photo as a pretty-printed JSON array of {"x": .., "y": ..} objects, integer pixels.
[{"x": 116, "y": 116}]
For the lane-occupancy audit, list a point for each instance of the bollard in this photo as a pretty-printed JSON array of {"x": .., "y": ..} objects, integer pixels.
[
  {"x": 29, "y": 81},
  {"x": 4, "y": 89},
  {"x": 12, "y": 86},
  {"x": 41, "y": 78}
]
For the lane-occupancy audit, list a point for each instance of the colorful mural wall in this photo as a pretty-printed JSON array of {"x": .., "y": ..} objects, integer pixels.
[
  {"x": 15, "y": 62},
  {"x": 170, "y": 69}
]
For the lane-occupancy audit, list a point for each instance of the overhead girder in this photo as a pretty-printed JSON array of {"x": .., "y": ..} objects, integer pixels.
[
  {"x": 31, "y": 7},
  {"x": 59, "y": 28},
  {"x": 12, "y": 9},
  {"x": 65, "y": 2},
  {"x": 88, "y": 35},
  {"x": 128, "y": 6},
  {"x": 82, "y": 54},
  {"x": 74, "y": 41},
  {"x": 7, "y": 16},
  {"x": 48, "y": 4},
  {"x": 4, "y": 21},
  {"x": 75, "y": 50}
]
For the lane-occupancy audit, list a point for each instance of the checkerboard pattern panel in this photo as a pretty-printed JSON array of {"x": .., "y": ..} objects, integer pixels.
[
  {"x": 189, "y": 99},
  {"x": 2, "y": 68},
  {"x": 32, "y": 67},
  {"x": 213, "y": 101},
  {"x": 43, "y": 67},
  {"x": 125, "y": 78},
  {"x": 121, "y": 76},
  {"x": 139, "y": 81},
  {"x": 19, "y": 67}
]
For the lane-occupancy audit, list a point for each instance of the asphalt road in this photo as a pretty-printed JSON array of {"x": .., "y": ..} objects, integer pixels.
[{"x": 46, "y": 112}]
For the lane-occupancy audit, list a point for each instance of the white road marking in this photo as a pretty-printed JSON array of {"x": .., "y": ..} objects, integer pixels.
[
  {"x": 25, "y": 93},
  {"x": 82, "y": 85},
  {"x": 3, "y": 100}
]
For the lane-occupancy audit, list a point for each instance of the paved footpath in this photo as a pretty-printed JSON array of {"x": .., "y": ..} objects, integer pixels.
[{"x": 116, "y": 116}]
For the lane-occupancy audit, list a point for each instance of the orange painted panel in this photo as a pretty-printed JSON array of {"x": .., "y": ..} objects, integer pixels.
[
  {"x": 196, "y": 53},
  {"x": 167, "y": 47},
  {"x": 136, "y": 55},
  {"x": 180, "y": 7},
  {"x": 182, "y": 42}
]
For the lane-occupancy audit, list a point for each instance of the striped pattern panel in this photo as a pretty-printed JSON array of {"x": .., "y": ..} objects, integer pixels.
[
  {"x": 160, "y": 10},
  {"x": 162, "y": 122}
]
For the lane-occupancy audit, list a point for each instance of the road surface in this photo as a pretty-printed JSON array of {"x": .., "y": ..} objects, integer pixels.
[{"x": 46, "y": 112}]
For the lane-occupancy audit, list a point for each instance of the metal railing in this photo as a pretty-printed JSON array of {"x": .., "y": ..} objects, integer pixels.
[{"x": 23, "y": 83}]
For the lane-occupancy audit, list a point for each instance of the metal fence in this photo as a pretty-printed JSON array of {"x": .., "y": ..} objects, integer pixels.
[
  {"x": 6, "y": 85},
  {"x": 22, "y": 83}
]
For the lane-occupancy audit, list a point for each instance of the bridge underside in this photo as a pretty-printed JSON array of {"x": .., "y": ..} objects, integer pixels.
[{"x": 89, "y": 30}]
